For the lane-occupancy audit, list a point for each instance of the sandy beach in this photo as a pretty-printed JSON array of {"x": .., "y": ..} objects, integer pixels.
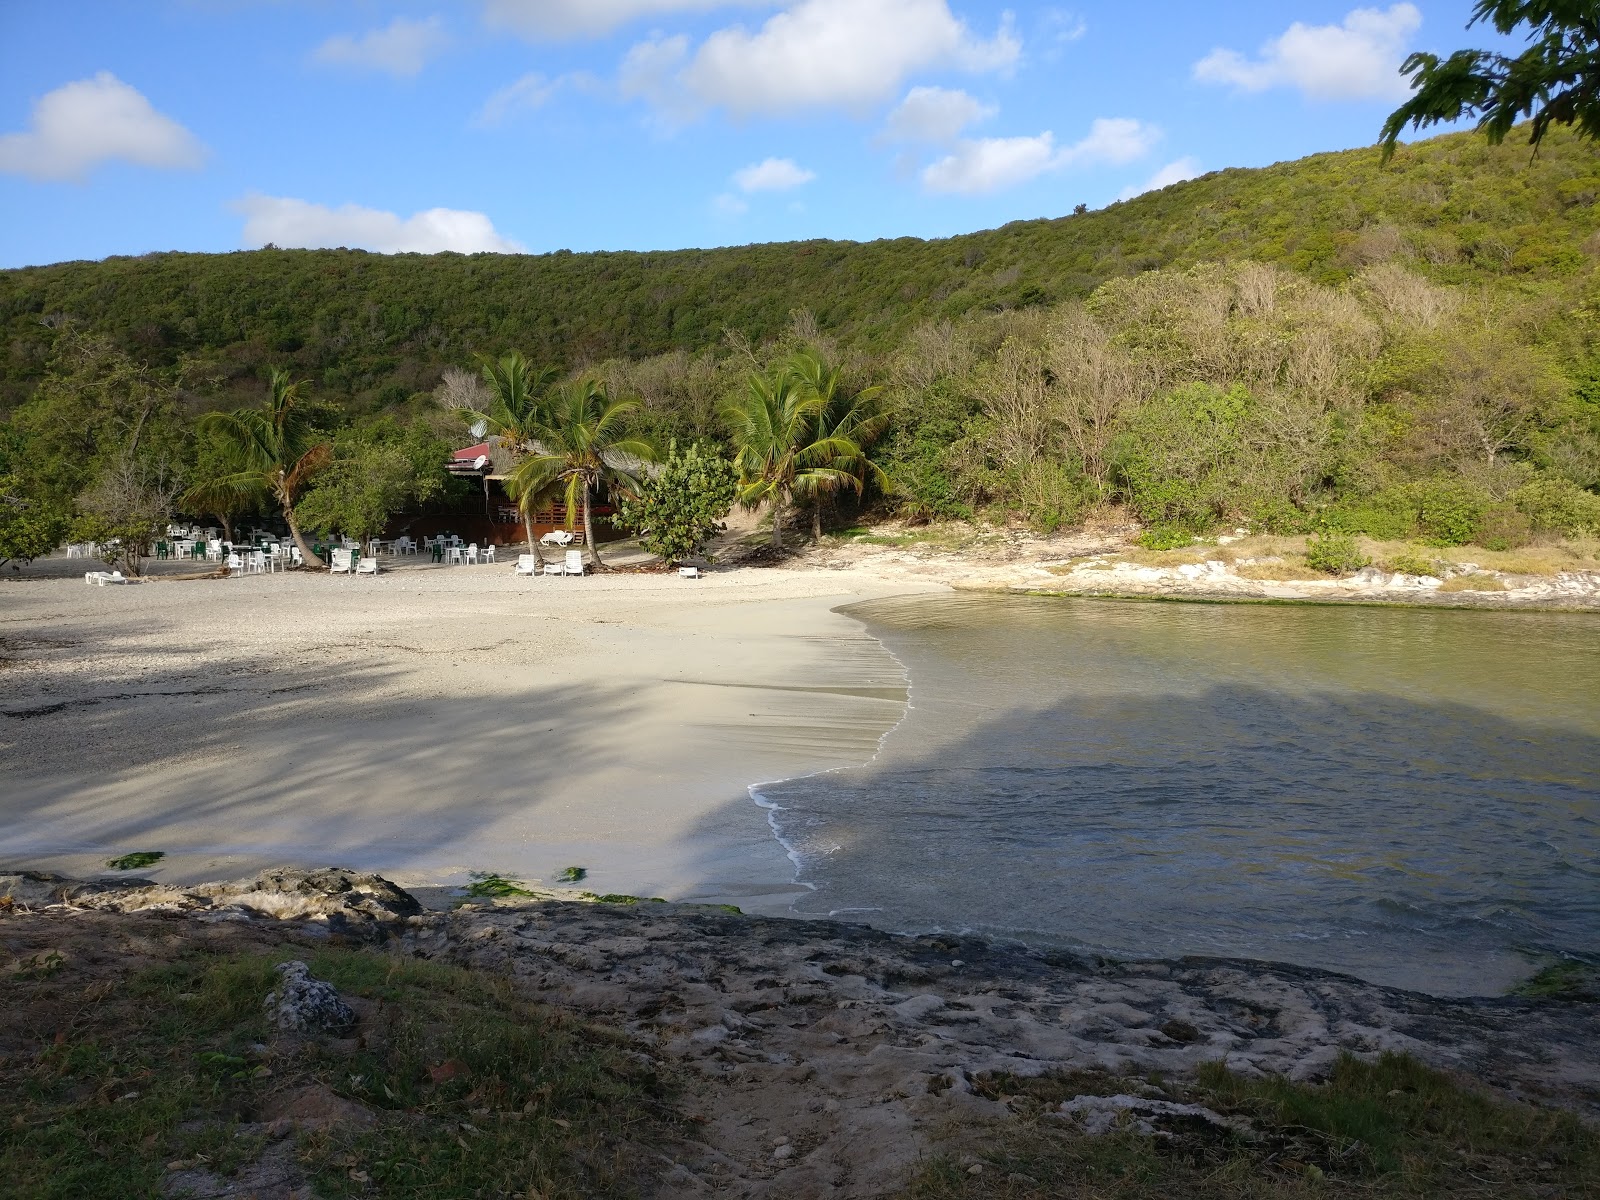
[{"x": 435, "y": 722}]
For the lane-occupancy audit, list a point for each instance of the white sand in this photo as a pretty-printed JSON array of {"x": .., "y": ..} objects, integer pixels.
[{"x": 434, "y": 722}]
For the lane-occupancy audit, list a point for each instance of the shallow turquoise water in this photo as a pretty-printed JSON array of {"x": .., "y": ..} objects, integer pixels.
[{"x": 1410, "y": 796}]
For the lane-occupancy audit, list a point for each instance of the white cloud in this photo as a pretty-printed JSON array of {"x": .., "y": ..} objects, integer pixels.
[
  {"x": 1357, "y": 60},
  {"x": 1174, "y": 172},
  {"x": 287, "y": 222},
  {"x": 982, "y": 165},
  {"x": 545, "y": 19},
  {"x": 91, "y": 121},
  {"x": 772, "y": 175},
  {"x": 402, "y": 49},
  {"x": 935, "y": 114},
  {"x": 729, "y": 205},
  {"x": 816, "y": 53},
  {"x": 529, "y": 92}
]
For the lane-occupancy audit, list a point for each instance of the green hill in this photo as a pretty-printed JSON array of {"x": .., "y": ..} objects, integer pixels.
[{"x": 372, "y": 330}]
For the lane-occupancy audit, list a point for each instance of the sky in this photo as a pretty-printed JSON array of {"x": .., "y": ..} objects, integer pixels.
[{"x": 130, "y": 126}]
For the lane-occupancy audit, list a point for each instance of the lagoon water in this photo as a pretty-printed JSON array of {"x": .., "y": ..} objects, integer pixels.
[{"x": 1410, "y": 796}]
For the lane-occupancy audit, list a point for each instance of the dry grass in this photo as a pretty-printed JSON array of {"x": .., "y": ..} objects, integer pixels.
[
  {"x": 1473, "y": 583},
  {"x": 1284, "y": 571}
]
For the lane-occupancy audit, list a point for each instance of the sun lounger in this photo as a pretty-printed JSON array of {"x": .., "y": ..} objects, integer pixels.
[
  {"x": 556, "y": 537},
  {"x": 527, "y": 564},
  {"x": 574, "y": 562},
  {"x": 341, "y": 562},
  {"x": 101, "y": 578},
  {"x": 366, "y": 566},
  {"x": 688, "y": 572}
]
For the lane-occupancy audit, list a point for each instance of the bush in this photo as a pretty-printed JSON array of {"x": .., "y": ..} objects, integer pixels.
[
  {"x": 1412, "y": 564},
  {"x": 1335, "y": 553},
  {"x": 1165, "y": 537},
  {"x": 1503, "y": 528},
  {"x": 682, "y": 508},
  {"x": 1558, "y": 506}
]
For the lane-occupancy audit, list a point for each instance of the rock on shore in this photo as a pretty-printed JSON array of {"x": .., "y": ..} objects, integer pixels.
[{"x": 828, "y": 1050}]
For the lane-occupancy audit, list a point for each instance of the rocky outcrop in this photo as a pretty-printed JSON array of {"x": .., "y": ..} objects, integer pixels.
[{"x": 342, "y": 901}]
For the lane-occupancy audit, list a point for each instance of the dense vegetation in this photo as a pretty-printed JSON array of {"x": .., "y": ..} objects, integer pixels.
[{"x": 1410, "y": 351}]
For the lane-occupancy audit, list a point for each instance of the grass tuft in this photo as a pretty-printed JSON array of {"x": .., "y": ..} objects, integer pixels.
[{"x": 488, "y": 884}]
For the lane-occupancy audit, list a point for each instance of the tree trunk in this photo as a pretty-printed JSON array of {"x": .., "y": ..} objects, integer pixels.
[
  {"x": 779, "y": 503},
  {"x": 227, "y": 526},
  {"x": 306, "y": 552},
  {"x": 533, "y": 546},
  {"x": 816, "y": 520},
  {"x": 588, "y": 530}
]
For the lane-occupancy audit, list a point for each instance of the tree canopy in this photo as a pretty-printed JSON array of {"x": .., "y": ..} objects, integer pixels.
[{"x": 1555, "y": 81}]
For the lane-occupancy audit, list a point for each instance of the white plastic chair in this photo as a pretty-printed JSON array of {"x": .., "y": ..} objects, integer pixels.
[
  {"x": 527, "y": 564},
  {"x": 366, "y": 566},
  {"x": 488, "y": 554},
  {"x": 574, "y": 562},
  {"x": 472, "y": 554},
  {"x": 235, "y": 565}
]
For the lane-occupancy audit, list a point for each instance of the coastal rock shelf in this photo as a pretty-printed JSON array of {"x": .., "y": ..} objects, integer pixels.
[{"x": 835, "y": 1048}]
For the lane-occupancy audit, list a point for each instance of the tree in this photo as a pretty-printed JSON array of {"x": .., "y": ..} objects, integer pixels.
[
  {"x": 779, "y": 453},
  {"x": 511, "y": 405},
  {"x": 1555, "y": 81},
  {"x": 682, "y": 507},
  {"x": 582, "y": 444},
  {"x": 274, "y": 450},
  {"x": 126, "y": 510},
  {"x": 371, "y": 478},
  {"x": 848, "y": 422},
  {"x": 30, "y": 525}
]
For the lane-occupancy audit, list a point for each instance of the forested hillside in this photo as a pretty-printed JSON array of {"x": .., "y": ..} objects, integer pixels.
[
  {"x": 1409, "y": 352},
  {"x": 371, "y": 330}
]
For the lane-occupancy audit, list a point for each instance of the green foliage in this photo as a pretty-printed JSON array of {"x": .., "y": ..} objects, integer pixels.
[
  {"x": 1557, "y": 506},
  {"x": 572, "y": 874},
  {"x": 1334, "y": 553},
  {"x": 137, "y": 860},
  {"x": 31, "y": 526},
  {"x": 1180, "y": 453},
  {"x": 374, "y": 473},
  {"x": 1555, "y": 81},
  {"x": 682, "y": 507},
  {"x": 1165, "y": 537},
  {"x": 375, "y": 331},
  {"x": 1412, "y": 563}
]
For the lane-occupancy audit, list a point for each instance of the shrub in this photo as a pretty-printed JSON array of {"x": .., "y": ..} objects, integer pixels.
[
  {"x": 1165, "y": 537},
  {"x": 1558, "y": 506},
  {"x": 681, "y": 509},
  {"x": 1335, "y": 554},
  {"x": 1449, "y": 511},
  {"x": 1410, "y": 563},
  {"x": 1503, "y": 528}
]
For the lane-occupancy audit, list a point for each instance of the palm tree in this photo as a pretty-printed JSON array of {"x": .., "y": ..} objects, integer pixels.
[
  {"x": 778, "y": 450},
  {"x": 841, "y": 416},
  {"x": 274, "y": 450},
  {"x": 514, "y": 413},
  {"x": 582, "y": 444}
]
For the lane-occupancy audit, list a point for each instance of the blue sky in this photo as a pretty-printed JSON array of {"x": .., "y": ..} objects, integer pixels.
[{"x": 652, "y": 124}]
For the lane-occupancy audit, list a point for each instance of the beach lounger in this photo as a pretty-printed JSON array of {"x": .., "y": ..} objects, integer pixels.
[
  {"x": 527, "y": 564},
  {"x": 574, "y": 562},
  {"x": 688, "y": 572},
  {"x": 342, "y": 563},
  {"x": 556, "y": 537},
  {"x": 101, "y": 578},
  {"x": 366, "y": 566}
]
